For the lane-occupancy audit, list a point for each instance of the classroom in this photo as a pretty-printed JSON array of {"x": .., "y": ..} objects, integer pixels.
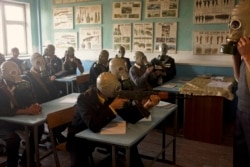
[{"x": 201, "y": 100}]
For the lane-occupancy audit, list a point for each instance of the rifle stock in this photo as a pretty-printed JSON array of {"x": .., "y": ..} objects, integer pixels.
[{"x": 140, "y": 95}]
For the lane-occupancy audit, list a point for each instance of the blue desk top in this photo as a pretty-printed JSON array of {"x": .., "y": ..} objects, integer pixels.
[
  {"x": 134, "y": 132},
  {"x": 48, "y": 107},
  {"x": 174, "y": 85}
]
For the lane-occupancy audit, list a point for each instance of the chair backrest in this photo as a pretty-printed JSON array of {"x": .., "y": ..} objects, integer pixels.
[
  {"x": 57, "y": 119},
  {"x": 82, "y": 79},
  {"x": 60, "y": 117}
]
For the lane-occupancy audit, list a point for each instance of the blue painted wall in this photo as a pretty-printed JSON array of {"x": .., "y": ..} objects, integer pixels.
[{"x": 184, "y": 35}]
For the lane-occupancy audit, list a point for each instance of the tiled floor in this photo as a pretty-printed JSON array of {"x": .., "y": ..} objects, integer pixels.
[{"x": 189, "y": 153}]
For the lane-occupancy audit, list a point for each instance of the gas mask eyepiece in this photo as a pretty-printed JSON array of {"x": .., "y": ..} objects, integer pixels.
[{"x": 235, "y": 24}]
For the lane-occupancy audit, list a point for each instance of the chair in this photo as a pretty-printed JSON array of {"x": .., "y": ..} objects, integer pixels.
[
  {"x": 55, "y": 120},
  {"x": 82, "y": 82}
]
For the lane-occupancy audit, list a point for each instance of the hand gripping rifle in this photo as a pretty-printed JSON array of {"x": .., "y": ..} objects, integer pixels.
[{"x": 138, "y": 96}]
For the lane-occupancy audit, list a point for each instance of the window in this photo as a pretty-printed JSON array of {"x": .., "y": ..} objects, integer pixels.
[{"x": 14, "y": 27}]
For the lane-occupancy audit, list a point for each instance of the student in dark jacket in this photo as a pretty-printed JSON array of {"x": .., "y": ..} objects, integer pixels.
[
  {"x": 44, "y": 89},
  {"x": 95, "y": 109},
  {"x": 98, "y": 67},
  {"x": 71, "y": 63},
  {"x": 16, "y": 98}
]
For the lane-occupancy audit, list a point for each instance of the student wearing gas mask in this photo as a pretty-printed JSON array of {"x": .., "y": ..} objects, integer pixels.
[
  {"x": 71, "y": 63},
  {"x": 53, "y": 63},
  {"x": 44, "y": 89},
  {"x": 121, "y": 54},
  {"x": 95, "y": 109},
  {"x": 101, "y": 65},
  {"x": 16, "y": 98},
  {"x": 139, "y": 73},
  {"x": 54, "y": 67},
  {"x": 164, "y": 67},
  {"x": 15, "y": 58},
  {"x": 118, "y": 67}
]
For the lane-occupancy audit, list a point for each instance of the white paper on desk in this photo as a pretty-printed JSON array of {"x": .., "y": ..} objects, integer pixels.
[
  {"x": 169, "y": 85},
  {"x": 114, "y": 127},
  {"x": 69, "y": 100},
  {"x": 164, "y": 104},
  {"x": 219, "y": 84}
]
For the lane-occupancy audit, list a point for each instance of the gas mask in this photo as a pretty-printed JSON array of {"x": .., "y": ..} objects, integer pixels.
[
  {"x": 11, "y": 73},
  {"x": 38, "y": 64},
  {"x": 121, "y": 51},
  {"x": 108, "y": 84},
  {"x": 164, "y": 49},
  {"x": 140, "y": 58},
  {"x": 50, "y": 50},
  {"x": 103, "y": 57},
  {"x": 117, "y": 66},
  {"x": 239, "y": 26},
  {"x": 71, "y": 53}
]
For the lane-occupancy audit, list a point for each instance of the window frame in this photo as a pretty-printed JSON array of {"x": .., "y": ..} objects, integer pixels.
[{"x": 26, "y": 24}]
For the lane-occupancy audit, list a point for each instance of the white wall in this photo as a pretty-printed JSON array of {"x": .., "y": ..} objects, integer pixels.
[{"x": 182, "y": 57}]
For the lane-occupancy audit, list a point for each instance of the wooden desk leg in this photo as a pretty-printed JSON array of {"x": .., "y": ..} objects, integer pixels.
[
  {"x": 113, "y": 156},
  {"x": 127, "y": 157},
  {"x": 27, "y": 146}
]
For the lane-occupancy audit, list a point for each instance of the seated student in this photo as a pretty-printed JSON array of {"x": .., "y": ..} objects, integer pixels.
[
  {"x": 118, "y": 67},
  {"x": 139, "y": 73},
  {"x": 95, "y": 109},
  {"x": 54, "y": 67},
  {"x": 165, "y": 67},
  {"x": 53, "y": 63},
  {"x": 121, "y": 54},
  {"x": 101, "y": 65},
  {"x": 16, "y": 98},
  {"x": 43, "y": 88},
  {"x": 15, "y": 59},
  {"x": 71, "y": 63}
]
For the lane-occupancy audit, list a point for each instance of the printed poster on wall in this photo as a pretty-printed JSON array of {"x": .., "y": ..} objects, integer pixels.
[
  {"x": 212, "y": 11},
  {"x": 63, "y": 18},
  {"x": 143, "y": 37},
  {"x": 127, "y": 10},
  {"x": 161, "y": 8},
  {"x": 63, "y": 40},
  {"x": 90, "y": 38},
  {"x": 88, "y": 14},
  {"x": 122, "y": 36},
  {"x": 166, "y": 32},
  {"x": 69, "y": 1},
  {"x": 208, "y": 42}
]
